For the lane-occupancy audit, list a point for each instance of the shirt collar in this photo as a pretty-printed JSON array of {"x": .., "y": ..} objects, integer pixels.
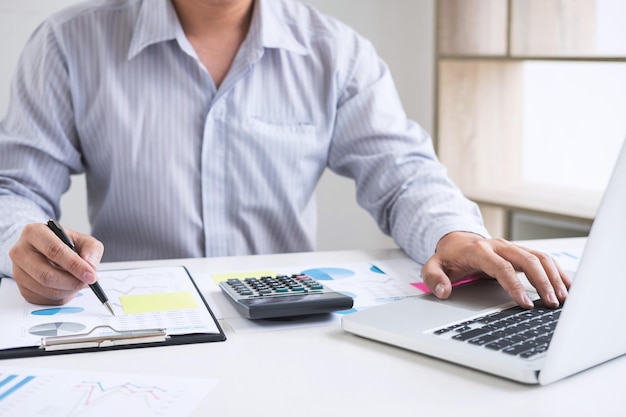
[
  {"x": 157, "y": 22},
  {"x": 270, "y": 30}
]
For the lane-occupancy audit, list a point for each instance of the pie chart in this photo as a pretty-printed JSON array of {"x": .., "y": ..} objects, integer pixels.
[
  {"x": 328, "y": 274},
  {"x": 59, "y": 328},
  {"x": 57, "y": 310}
]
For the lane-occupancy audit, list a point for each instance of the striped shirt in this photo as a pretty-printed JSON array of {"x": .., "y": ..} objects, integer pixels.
[{"x": 176, "y": 167}]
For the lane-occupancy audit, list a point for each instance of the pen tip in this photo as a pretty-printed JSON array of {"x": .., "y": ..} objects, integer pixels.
[{"x": 108, "y": 306}]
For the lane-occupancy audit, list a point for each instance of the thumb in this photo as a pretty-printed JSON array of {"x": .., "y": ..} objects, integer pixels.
[
  {"x": 89, "y": 248},
  {"x": 436, "y": 279}
]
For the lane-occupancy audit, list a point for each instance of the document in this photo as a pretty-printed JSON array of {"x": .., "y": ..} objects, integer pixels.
[
  {"x": 364, "y": 281},
  {"x": 27, "y": 392},
  {"x": 142, "y": 299}
]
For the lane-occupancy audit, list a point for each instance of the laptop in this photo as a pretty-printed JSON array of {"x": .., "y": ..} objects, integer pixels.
[{"x": 470, "y": 328}]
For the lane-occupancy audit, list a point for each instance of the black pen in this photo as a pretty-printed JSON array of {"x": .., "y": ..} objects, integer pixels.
[{"x": 97, "y": 289}]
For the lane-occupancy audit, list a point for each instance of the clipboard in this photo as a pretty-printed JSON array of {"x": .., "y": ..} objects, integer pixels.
[{"x": 130, "y": 291}]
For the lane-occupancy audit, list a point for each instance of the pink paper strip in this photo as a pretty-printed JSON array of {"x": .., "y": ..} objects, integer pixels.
[{"x": 423, "y": 288}]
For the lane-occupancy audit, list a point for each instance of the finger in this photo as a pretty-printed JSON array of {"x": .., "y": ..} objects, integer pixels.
[
  {"x": 89, "y": 248},
  {"x": 40, "y": 273},
  {"x": 503, "y": 270},
  {"x": 557, "y": 277},
  {"x": 50, "y": 246},
  {"x": 534, "y": 265},
  {"x": 31, "y": 265},
  {"x": 53, "y": 290},
  {"x": 567, "y": 280},
  {"x": 541, "y": 271},
  {"x": 45, "y": 299},
  {"x": 435, "y": 278},
  {"x": 555, "y": 270}
]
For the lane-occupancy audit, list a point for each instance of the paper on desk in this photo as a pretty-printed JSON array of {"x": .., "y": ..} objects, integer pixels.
[
  {"x": 567, "y": 252},
  {"x": 26, "y": 392},
  {"x": 363, "y": 281},
  {"x": 412, "y": 271},
  {"x": 142, "y": 298},
  {"x": 568, "y": 258}
]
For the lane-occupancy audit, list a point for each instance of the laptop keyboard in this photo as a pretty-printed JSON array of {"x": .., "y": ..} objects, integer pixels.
[{"x": 514, "y": 331}]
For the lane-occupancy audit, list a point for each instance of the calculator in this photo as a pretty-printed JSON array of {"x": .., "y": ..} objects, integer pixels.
[{"x": 267, "y": 297}]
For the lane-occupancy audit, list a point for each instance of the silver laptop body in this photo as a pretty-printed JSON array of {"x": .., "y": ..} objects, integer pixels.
[{"x": 584, "y": 336}]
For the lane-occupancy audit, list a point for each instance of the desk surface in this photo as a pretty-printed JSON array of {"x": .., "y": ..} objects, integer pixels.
[{"x": 323, "y": 371}]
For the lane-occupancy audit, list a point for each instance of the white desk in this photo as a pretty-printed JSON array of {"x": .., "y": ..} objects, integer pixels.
[{"x": 323, "y": 371}]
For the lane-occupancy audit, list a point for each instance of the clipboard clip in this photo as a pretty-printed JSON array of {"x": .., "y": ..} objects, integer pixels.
[{"x": 115, "y": 338}]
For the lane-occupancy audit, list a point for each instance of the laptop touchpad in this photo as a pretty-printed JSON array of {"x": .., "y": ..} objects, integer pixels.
[{"x": 475, "y": 296}]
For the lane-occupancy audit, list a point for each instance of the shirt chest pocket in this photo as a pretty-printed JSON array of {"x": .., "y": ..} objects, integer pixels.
[{"x": 295, "y": 145}]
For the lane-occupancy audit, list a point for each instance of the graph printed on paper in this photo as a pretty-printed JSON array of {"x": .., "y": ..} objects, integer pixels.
[{"x": 69, "y": 394}]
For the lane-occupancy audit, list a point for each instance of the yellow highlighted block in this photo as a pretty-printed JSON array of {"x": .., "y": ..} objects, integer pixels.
[
  {"x": 242, "y": 275},
  {"x": 152, "y": 303}
]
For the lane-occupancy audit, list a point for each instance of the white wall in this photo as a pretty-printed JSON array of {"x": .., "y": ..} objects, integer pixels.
[{"x": 401, "y": 30}]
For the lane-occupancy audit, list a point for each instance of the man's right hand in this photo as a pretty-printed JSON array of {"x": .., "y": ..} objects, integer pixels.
[{"x": 47, "y": 271}]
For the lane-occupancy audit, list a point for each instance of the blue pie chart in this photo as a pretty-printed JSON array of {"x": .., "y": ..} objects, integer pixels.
[
  {"x": 376, "y": 269},
  {"x": 328, "y": 274},
  {"x": 57, "y": 310}
]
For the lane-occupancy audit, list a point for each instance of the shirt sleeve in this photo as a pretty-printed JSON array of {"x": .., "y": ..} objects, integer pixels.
[
  {"x": 398, "y": 176},
  {"x": 37, "y": 140}
]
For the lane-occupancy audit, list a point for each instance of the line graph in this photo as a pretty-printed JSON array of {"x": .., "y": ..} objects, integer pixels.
[
  {"x": 135, "y": 289},
  {"x": 95, "y": 395},
  {"x": 28, "y": 392},
  {"x": 137, "y": 282}
]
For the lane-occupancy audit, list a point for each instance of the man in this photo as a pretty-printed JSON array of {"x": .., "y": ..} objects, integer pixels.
[{"x": 203, "y": 127}]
